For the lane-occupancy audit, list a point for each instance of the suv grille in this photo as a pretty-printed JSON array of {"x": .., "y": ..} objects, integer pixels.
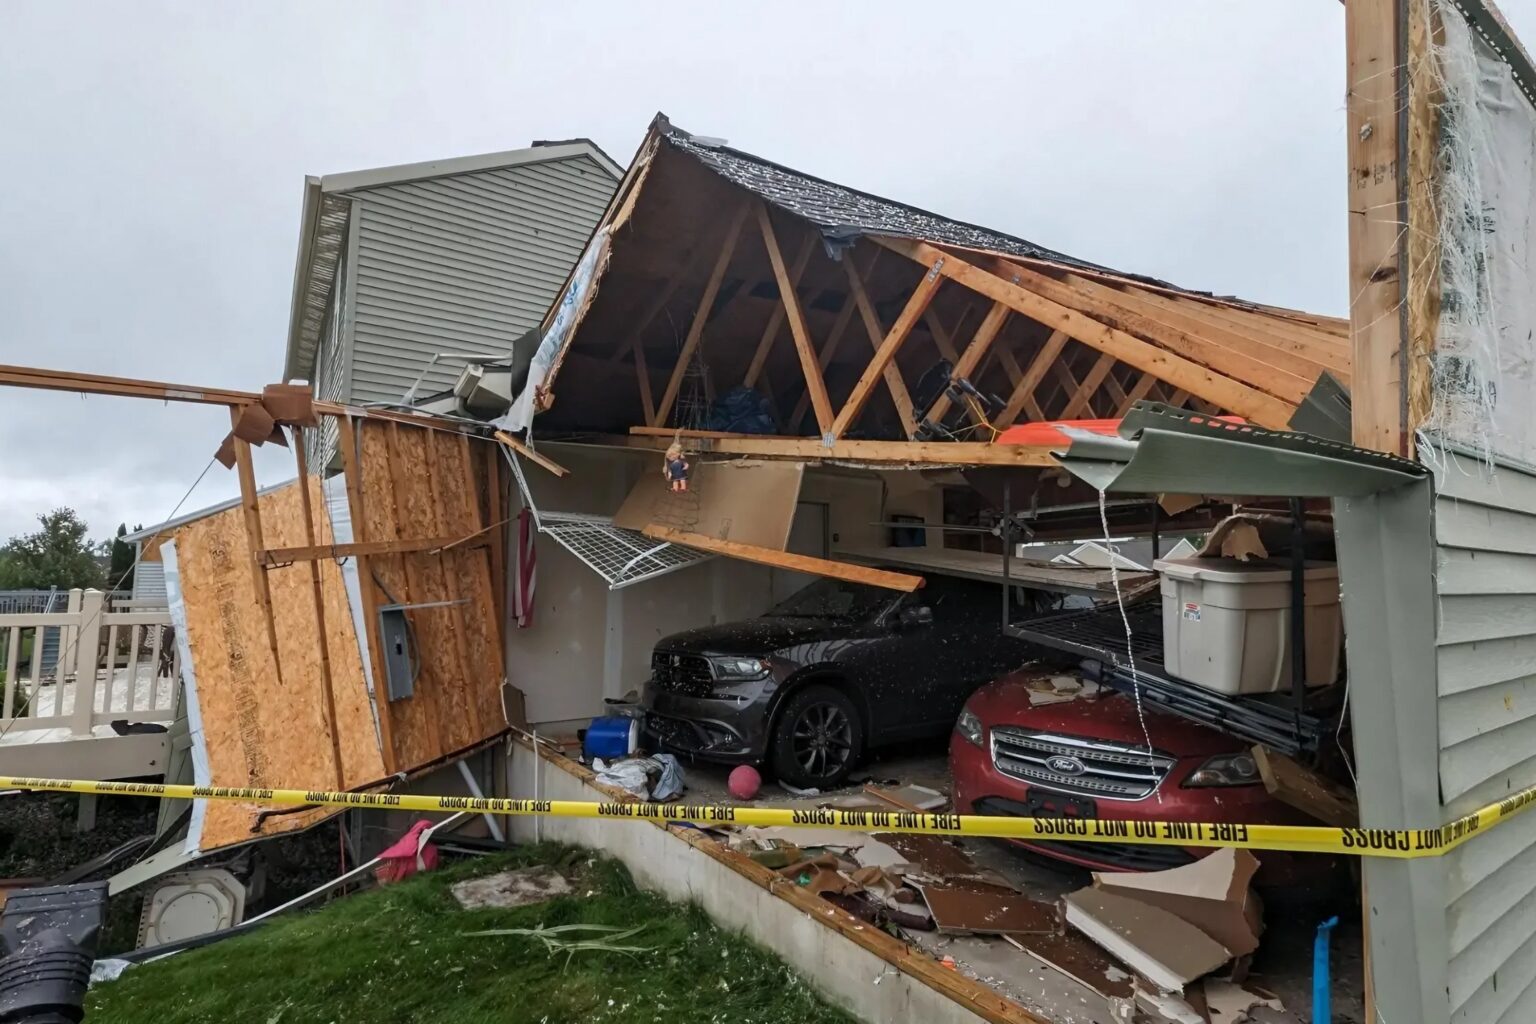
[
  {"x": 1109, "y": 771},
  {"x": 682, "y": 673}
]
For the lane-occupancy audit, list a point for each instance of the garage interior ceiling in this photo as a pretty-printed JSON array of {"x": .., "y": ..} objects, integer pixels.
[{"x": 724, "y": 270}]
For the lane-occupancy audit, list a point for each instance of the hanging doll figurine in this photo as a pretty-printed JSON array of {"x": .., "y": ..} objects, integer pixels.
[{"x": 675, "y": 468}]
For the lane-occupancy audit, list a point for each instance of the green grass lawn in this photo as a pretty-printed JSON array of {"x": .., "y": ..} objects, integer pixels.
[{"x": 402, "y": 955}]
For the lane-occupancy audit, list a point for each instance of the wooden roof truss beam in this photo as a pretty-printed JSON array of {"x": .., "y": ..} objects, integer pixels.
[{"x": 1237, "y": 396}]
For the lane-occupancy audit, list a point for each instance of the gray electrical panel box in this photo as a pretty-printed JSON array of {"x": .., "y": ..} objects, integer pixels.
[{"x": 398, "y": 657}]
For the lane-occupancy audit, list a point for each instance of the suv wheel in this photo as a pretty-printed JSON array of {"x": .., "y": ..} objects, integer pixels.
[{"x": 818, "y": 738}]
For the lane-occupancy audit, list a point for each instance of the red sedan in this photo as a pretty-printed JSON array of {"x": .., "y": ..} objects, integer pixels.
[{"x": 1089, "y": 758}]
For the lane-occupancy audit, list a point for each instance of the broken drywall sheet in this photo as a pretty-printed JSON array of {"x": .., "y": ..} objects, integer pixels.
[
  {"x": 507, "y": 889},
  {"x": 1082, "y": 961},
  {"x": 1212, "y": 894},
  {"x": 748, "y": 502},
  {"x": 974, "y": 908},
  {"x": 1155, "y": 943}
]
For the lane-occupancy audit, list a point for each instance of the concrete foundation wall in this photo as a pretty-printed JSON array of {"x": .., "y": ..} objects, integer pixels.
[{"x": 852, "y": 976}]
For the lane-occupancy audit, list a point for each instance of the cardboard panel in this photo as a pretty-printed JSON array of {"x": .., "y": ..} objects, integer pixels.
[{"x": 749, "y": 502}]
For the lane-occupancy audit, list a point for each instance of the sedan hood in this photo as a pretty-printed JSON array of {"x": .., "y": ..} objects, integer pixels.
[
  {"x": 1111, "y": 717},
  {"x": 754, "y": 637}
]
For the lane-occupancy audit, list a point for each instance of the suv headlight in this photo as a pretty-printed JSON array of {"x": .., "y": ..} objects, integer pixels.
[
  {"x": 969, "y": 726},
  {"x": 738, "y": 670},
  {"x": 1225, "y": 770}
]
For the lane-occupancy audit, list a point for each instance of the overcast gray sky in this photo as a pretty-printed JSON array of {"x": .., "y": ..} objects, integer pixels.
[{"x": 152, "y": 158}]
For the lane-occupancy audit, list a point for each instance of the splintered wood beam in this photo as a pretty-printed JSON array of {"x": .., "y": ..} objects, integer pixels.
[
  {"x": 784, "y": 560},
  {"x": 659, "y": 303},
  {"x": 276, "y": 557},
  {"x": 316, "y": 588},
  {"x": 1378, "y": 214},
  {"x": 352, "y": 474},
  {"x": 834, "y": 336},
  {"x": 701, "y": 315},
  {"x": 943, "y": 338},
  {"x": 981, "y": 341},
  {"x": 1081, "y": 398},
  {"x": 497, "y": 519},
  {"x": 900, "y": 397},
  {"x": 776, "y": 318},
  {"x": 522, "y": 449},
  {"x": 1261, "y": 408},
  {"x": 1139, "y": 390},
  {"x": 943, "y": 453},
  {"x": 1024, "y": 390},
  {"x": 1269, "y": 372},
  {"x": 643, "y": 378},
  {"x": 251, "y": 510},
  {"x": 1177, "y": 397},
  {"x": 923, "y": 294},
  {"x": 815, "y": 386}
]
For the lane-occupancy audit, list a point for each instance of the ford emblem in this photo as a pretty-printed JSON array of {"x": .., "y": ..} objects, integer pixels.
[{"x": 1063, "y": 765}]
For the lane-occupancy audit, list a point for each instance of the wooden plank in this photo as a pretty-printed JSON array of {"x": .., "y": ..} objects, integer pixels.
[
  {"x": 496, "y": 516},
  {"x": 986, "y": 332},
  {"x": 923, "y": 294},
  {"x": 1377, "y": 214},
  {"x": 1024, "y": 390},
  {"x": 900, "y": 397},
  {"x": 942, "y": 453},
  {"x": 643, "y": 378},
  {"x": 327, "y": 692},
  {"x": 1080, "y": 400},
  {"x": 406, "y": 504},
  {"x": 368, "y": 588},
  {"x": 943, "y": 338},
  {"x": 1422, "y": 286},
  {"x": 701, "y": 315},
  {"x": 1139, "y": 390},
  {"x": 315, "y": 552},
  {"x": 1307, "y": 791},
  {"x": 1241, "y": 399},
  {"x": 527, "y": 452},
  {"x": 834, "y": 338},
  {"x": 776, "y": 318},
  {"x": 789, "y": 302},
  {"x": 252, "y": 514},
  {"x": 449, "y": 570},
  {"x": 1271, "y": 372},
  {"x": 786, "y": 560}
]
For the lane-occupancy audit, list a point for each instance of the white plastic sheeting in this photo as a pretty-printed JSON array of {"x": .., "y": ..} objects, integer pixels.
[
  {"x": 1485, "y": 367},
  {"x": 573, "y": 302},
  {"x": 202, "y": 774}
]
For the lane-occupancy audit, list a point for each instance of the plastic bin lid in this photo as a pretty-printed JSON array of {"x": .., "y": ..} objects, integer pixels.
[{"x": 1230, "y": 570}]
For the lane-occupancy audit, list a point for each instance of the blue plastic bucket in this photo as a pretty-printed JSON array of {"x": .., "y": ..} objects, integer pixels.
[{"x": 611, "y": 736}]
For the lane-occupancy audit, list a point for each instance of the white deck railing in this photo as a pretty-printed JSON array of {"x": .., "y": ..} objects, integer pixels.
[{"x": 112, "y": 666}]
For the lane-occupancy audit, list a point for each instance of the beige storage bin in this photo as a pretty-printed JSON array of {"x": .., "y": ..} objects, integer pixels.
[{"x": 1227, "y": 624}]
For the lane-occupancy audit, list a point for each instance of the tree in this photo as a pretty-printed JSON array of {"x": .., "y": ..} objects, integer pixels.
[
  {"x": 120, "y": 575},
  {"x": 58, "y": 555}
]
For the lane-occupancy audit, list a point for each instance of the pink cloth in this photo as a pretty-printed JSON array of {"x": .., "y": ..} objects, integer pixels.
[{"x": 410, "y": 854}]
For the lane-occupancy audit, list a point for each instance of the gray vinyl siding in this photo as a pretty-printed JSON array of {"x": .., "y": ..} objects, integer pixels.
[
  {"x": 466, "y": 263},
  {"x": 1485, "y": 532},
  {"x": 149, "y": 582},
  {"x": 330, "y": 377}
]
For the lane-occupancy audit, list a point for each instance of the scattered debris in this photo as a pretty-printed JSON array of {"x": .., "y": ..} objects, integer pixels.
[
  {"x": 1212, "y": 894},
  {"x": 910, "y": 797},
  {"x": 1230, "y": 1003},
  {"x": 1157, "y": 944},
  {"x": 410, "y": 854},
  {"x": 555, "y": 942},
  {"x": 980, "y": 909},
  {"x": 634, "y": 775},
  {"x": 1080, "y": 960},
  {"x": 1308, "y": 792},
  {"x": 511, "y": 888}
]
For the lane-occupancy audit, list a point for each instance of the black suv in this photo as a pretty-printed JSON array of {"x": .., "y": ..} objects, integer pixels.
[{"x": 830, "y": 672}]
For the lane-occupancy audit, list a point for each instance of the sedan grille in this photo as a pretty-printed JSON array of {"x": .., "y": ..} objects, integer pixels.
[
  {"x": 687, "y": 674},
  {"x": 1066, "y": 764}
]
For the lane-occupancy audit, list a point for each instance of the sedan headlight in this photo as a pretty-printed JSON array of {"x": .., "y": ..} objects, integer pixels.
[
  {"x": 1225, "y": 770},
  {"x": 969, "y": 726},
  {"x": 739, "y": 670}
]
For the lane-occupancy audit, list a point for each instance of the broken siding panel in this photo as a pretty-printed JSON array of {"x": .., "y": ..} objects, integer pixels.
[
  {"x": 466, "y": 263},
  {"x": 1485, "y": 530}
]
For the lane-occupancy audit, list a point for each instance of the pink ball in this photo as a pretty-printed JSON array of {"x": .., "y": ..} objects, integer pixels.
[{"x": 744, "y": 782}]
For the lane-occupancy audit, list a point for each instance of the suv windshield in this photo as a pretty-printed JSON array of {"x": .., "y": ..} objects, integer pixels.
[{"x": 834, "y": 599}]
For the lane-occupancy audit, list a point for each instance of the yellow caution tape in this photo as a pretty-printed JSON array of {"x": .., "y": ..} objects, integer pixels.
[{"x": 1364, "y": 842}]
